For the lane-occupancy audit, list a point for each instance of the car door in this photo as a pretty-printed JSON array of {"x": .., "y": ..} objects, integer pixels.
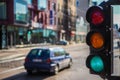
[
  {"x": 66, "y": 59},
  {"x": 58, "y": 58}
]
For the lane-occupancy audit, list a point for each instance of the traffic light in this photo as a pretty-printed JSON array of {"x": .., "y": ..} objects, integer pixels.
[{"x": 99, "y": 40}]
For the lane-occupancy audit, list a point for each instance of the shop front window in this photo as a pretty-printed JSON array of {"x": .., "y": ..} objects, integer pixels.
[
  {"x": 22, "y": 33},
  {"x": 2, "y": 10},
  {"x": 20, "y": 11}
]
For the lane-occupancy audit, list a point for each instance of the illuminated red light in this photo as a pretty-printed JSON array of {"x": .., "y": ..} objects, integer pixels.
[{"x": 97, "y": 17}]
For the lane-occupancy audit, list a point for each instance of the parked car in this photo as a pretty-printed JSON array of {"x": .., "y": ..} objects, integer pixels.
[
  {"x": 61, "y": 42},
  {"x": 47, "y": 59}
]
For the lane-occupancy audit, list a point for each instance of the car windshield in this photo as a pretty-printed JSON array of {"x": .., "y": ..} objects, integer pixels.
[{"x": 39, "y": 53}]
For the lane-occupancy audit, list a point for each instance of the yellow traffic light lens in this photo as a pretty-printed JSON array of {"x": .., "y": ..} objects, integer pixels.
[{"x": 97, "y": 40}]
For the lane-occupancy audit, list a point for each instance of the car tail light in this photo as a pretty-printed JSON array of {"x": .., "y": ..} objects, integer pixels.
[
  {"x": 26, "y": 59},
  {"x": 49, "y": 60}
]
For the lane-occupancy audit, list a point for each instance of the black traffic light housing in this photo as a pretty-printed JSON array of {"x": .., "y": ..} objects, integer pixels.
[{"x": 99, "y": 40}]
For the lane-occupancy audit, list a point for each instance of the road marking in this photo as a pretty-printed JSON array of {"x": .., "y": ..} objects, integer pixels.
[
  {"x": 21, "y": 67},
  {"x": 14, "y": 59}
]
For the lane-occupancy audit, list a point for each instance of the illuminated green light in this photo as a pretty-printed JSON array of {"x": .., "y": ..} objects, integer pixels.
[{"x": 97, "y": 64}]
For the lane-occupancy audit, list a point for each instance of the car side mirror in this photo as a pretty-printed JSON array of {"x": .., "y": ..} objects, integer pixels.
[{"x": 67, "y": 54}]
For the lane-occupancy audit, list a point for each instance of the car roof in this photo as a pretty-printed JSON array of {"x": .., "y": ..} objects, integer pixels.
[{"x": 50, "y": 48}]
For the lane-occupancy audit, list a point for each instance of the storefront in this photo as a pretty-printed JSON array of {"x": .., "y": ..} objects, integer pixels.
[
  {"x": 15, "y": 25},
  {"x": 12, "y": 36},
  {"x": 16, "y": 36},
  {"x": 43, "y": 35},
  {"x": 3, "y": 36}
]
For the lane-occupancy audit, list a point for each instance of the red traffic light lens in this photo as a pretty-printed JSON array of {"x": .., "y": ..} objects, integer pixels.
[{"x": 97, "y": 17}]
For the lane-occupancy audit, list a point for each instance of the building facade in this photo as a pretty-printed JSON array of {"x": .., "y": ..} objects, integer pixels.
[
  {"x": 81, "y": 23},
  {"x": 24, "y": 22},
  {"x": 95, "y": 2},
  {"x": 61, "y": 31},
  {"x": 13, "y": 22},
  {"x": 72, "y": 14},
  {"x": 52, "y": 21},
  {"x": 66, "y": 15}
]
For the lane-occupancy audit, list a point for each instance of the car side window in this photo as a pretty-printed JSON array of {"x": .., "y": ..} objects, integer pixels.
[
  {"x": 62, "y": 52},
  {"x": 59, "y": 52},
  {"x": 56, "y": 53},
  {"x": 33, "y": 52},
  {"x": 39, "y": 53},
  {"x": 45, "y": 53}
]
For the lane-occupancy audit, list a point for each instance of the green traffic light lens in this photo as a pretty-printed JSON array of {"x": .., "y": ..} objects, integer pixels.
[{"x": 97, "y": 64}]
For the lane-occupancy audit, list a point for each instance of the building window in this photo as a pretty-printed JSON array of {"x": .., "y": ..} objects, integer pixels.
[
  {"x": 20, "y": 11},
  {"x": 58, "y": 21},
  {"x": 58, "y": 7},
  {"x": 29, "y": 1},
  {"x": 42, "y": 4},
  {"x": 3, "y": 10},
  {"x": 51, "y": 17},
  {"x": 55, "y": 21},
  {"x": 53, "y": 6},
  {"x": 78, "y": 3}
]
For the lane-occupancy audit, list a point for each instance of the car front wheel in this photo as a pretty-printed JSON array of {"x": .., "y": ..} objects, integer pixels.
[{"x": 70, "y": 64}]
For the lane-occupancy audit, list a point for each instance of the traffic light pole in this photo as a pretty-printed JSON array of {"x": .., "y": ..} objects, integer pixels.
[
  {"x": 113, "y": 78},
  {"x": 111, "y": 2}
]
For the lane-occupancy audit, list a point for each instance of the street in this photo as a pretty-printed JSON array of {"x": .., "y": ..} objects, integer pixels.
[
  {"x": 78, "y": 71},
  {"x": 89, "y": 32}
]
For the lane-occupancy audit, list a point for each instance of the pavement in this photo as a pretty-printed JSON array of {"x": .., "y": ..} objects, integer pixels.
[{"x": 6, "y": 54}]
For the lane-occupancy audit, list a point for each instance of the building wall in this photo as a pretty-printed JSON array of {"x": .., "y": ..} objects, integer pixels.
[
  {"x": 73, "y": 12},
  {"x": 82, "y": 8},
  {"x": 66, "y": 14},
  {"x": 59, "y": 13},
  {"x": 81, "y": 23},
  {"x": 9, "y": 12},
  {"x": 21, "y": 34},
  {"x": 51, "y": 11},
  {"x": 72, "y": 7},
  {"x": 60, "y": 19}
]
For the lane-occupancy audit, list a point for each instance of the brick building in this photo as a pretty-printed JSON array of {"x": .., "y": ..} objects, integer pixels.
[{"x": 26, "y": 21}]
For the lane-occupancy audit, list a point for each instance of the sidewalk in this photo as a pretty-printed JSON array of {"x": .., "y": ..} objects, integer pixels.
[{"x": 17, "y": 52}]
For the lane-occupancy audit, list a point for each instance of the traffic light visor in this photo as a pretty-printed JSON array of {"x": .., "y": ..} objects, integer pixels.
[{"x": 95, "y": 15}]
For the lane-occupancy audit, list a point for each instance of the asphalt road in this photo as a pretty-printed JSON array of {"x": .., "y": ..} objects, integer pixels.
[{"x": 77, "y": 72}]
